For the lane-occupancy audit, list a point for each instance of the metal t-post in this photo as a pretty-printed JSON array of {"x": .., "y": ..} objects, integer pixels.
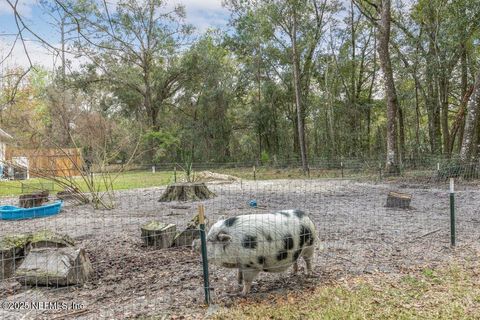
[
  {"x": 452, "y": 212},
  {"x": 206, "y": 283}
]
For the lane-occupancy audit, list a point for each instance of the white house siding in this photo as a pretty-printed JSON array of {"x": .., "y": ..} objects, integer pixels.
[{"x": 4, "y": 138}]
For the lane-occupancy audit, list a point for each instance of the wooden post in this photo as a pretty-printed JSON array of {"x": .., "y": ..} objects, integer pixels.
[
  {"x": 201, "y": 214},
  {"x": 341, "y": 166},
  {"x": 153, "y": 169},
  {"x": 201, "y": 220},
  {"x": 175, "y": 174},
  {"x": 254, "y": 174}
]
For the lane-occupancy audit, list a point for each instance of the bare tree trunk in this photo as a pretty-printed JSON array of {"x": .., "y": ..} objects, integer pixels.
[
  {"x": 433, "y": 114},
  {"x": 331, "y": 128},
  {"x": 459, "y": 122},
  {"x": 392, "y": 161},
  {"x": 326, "y": 136},
  {"x": 329, "y": 115},
  {"x": 443, "y": 89},
  {"x": 62, "y": 39},
  {"x": 66, "y": 139},
  {"x": 469, "y": 149},
  {"x": 464, "y": 92},
  {"x": 353, "y": 102},
  {"x": 432, "y": 101},
  {"x": 259, "y": 97},
  {"x": 417, "y": 121},
  {"x": 401, "y": 129},
  {"x": 298, "y": 97},
  {"x": 370, "y": 93},
  {"x": 296, "y": 146}
]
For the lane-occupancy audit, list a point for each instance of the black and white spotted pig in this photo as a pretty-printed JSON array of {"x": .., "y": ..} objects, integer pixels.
[{"x": 262, "y": 242}]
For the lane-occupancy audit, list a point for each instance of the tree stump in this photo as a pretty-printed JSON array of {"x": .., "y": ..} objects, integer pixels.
[
  {"x": 186, "y": 237},
  {"x": 12, "y": 251},
  {"x": 31, "y": 200},
  {"x": 15, "y": 247},
  {"x": 186, "y": 192},
  {"x": 55, "y": 267},
  {"x": 74, "y": 194},
  {"x": 158, "y": 234},
  {"x": 191, "y": 232},
  {"x": 49, "y": 239},
  {"x": 398, "y": 200}
]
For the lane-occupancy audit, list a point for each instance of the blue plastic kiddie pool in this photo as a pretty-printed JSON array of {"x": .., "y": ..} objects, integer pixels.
[{"x": 17, "y": 213}]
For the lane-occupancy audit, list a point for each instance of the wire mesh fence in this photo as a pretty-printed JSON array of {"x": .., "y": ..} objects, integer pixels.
[{"x": 137, "y": 259}]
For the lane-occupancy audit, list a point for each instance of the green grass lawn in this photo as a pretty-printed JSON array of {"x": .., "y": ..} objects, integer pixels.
[
  {"x": 145, "y": 179},
  {"x": 451, "y": 293},
  {"x": 127, "y": 180}
]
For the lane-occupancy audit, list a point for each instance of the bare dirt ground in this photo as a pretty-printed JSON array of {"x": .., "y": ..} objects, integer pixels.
[{"x": 358, "y": 235}]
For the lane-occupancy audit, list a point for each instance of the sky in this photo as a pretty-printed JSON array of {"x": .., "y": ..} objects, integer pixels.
[{"x": 203, "y": 14}]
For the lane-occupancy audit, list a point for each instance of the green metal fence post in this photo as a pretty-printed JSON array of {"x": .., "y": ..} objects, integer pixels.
[
  {"x": 206, "y": 283},
  {"x": 452, "y": 212}
]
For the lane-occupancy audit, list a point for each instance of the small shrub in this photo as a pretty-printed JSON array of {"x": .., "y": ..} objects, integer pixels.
[{"x": 264, "y": 157}]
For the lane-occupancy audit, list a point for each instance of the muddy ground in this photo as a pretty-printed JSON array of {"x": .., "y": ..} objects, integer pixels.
[{"x": 358, "y": 234}]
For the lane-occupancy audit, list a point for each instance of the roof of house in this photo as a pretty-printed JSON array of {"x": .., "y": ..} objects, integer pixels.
[{"x": 5, "y": 136}]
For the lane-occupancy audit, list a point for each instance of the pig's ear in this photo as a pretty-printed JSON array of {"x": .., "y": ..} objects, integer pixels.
[{"x": 224, "y": 237}]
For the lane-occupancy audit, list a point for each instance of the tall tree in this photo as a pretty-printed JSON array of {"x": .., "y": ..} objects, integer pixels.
[
  {"x": 297, "y": 86},
  {"x": 291, "y": 32},
  {"x": 203, "y": 105},
  {"x": 392, "y": 163},
  {"x": 135, "y": 51}
]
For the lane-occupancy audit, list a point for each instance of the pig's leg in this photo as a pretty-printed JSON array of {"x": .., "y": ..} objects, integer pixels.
[
  {"x": 240, "y": 276},
  {"x": 295, "y": 267},
  {"x": 307, "y": 255},
  {"x": 308, "y": 261},
  {"x": 248, "y": 276}
]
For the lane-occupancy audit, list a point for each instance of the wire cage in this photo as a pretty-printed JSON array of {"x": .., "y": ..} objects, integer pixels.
[{"x": 142, "y": 257}]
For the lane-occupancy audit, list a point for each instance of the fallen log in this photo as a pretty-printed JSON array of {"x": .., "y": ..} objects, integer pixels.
[
  {"x": 158, "y": 234},
  {"x": 55, "y": 267},
  {"x": 12, "y": 252},
  {"x": 186, "y": 237},
  {"x": 191, "y": 233},
  {"x": 205, "y": 176},
  {"x": 398, "y": 200}
]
